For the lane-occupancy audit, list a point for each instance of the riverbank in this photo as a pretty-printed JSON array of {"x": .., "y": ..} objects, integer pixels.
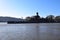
[{"x": 14, "y": 22}]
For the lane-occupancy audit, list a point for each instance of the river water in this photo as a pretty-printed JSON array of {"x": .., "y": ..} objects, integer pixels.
[{"x": 32, "y": 31}]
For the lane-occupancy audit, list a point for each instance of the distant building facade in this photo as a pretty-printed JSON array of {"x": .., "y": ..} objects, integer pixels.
[{"x": 35, "y": 18}]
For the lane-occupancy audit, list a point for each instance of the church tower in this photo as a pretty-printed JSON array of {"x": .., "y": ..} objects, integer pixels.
[
  {"x": 37, "y": 17},
  {"x": 37, "y": 14}
]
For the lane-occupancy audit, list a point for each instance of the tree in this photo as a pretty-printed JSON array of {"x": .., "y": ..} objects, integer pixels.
[
  {"x": 28, "y": 18},
  {"x": 50, "y": 18},
  {"x": 57, "y": 18}
]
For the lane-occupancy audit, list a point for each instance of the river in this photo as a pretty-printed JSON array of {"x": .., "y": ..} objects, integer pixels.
[{"x": 30, "y": 31}]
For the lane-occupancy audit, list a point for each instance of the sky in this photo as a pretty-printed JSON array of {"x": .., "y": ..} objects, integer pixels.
[{"x": 24, "y": 8}]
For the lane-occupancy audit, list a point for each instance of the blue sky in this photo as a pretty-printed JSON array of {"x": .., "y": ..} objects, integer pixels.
[{"x": 23, "y": 8}]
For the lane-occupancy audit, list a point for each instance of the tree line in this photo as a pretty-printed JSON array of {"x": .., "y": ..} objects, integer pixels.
[
  {"x": 38, "y": 19},
  {"x": 47, "y": 19}
]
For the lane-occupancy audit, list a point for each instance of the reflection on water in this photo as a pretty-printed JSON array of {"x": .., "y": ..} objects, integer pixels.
[{"x": 49, "y": 31}]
